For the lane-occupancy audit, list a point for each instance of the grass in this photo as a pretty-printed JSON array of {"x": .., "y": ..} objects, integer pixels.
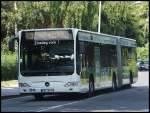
[
  {"x": 8, "y": 66},
  {"x": 9, "y": 83}
]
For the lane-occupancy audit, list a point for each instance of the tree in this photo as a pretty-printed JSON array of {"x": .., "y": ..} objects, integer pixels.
[
  {"x": 143, "y": 52},
  {"x": 117, "y": 17}
]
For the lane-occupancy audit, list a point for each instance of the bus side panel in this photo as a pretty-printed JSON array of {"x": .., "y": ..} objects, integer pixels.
[
  {"x": 133, "y": 65},
  {"x": 108, "y": 59},
  {"x": 129, "y": 67},
  {"x": 82, "y": 69},
  {"x": 97, "y": 60},
  {"x": 88, "y": 67}
]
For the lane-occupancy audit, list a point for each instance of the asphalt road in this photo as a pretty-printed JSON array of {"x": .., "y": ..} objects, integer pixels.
[{"x": 133, "y": 99}]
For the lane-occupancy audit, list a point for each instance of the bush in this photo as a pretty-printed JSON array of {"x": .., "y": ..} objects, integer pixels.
[{"x": 8, "y": 66}]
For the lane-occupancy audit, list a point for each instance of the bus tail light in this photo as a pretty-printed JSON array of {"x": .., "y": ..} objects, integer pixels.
[{"x": 24, "y": 85}]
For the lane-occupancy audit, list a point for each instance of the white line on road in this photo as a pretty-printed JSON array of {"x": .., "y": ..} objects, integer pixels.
[
  {"x": 29, "y": 111},
  {"x": 53, "y": 107}
]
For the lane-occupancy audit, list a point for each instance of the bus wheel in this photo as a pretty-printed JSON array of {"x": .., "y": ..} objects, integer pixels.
[
  {"x": 91, "y": 87},
  {"x": 38, "y": 96},
  {"x": 114, "y": 83}
]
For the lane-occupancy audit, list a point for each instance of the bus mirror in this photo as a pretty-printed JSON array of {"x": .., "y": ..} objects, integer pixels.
[{"x": 11, "y": 44}]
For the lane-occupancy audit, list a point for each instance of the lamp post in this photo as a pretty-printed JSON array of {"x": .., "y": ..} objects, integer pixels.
[
  {"x": 99, "y": 22},
  {"x": 15, "y": 7}
]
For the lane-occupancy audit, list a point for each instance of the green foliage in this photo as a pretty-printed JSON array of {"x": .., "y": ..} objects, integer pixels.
[
  {"x": 143, "y": 52},
  {"x": 122, "y": 18},
  {"x": 8, "y": 66},
  {"x": 7, "y": 19}
]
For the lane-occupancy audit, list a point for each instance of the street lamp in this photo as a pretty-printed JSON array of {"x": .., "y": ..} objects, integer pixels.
[
  {"x": 99, "y": 22},
  {"x": 15, "y": 7}
]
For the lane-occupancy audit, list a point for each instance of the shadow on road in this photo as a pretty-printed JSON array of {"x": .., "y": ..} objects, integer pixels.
[{"x": 75, "y": 97}]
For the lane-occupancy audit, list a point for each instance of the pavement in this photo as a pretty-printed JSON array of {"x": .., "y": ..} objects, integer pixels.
[
  {"x": 8, "y": 91},
  {"x": 11, "y": 90}
]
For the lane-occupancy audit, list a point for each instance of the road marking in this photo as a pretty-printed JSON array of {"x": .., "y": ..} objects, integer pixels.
[
  {"x": 53, "y": 107},
  {"x": 29, "y": 110}
]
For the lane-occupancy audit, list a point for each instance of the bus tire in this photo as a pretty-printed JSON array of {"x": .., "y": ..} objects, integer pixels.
[
  {"x": 38, "y": 96},
  {"x": 114, "y": 83},
  {"x": 91, "y": 87}
]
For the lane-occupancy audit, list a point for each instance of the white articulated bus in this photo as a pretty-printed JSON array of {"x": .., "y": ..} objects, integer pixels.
[{"x": 69, "y": 60}]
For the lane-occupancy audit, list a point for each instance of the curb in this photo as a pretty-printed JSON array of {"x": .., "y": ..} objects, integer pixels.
[{"x": 13, "y": 96}]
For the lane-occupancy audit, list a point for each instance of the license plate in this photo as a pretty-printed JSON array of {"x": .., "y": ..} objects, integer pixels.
[{"x": 47, "y": 90}]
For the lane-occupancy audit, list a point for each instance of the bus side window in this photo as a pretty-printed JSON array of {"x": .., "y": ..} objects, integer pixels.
[
  {"x": 130, "y": 53},
  {"x": 82, "y": 48},
  {"x": 80, "y": 55}
]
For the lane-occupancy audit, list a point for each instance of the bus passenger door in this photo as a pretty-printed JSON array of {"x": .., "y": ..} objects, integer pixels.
[{"x": 97, "y": 66}]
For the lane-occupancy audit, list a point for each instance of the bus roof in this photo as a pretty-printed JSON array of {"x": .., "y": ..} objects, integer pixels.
[
  {"x": 106, "y": 35},
  {"x": 111, "y": 39},
  {"x": 47, "y": 29}
]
